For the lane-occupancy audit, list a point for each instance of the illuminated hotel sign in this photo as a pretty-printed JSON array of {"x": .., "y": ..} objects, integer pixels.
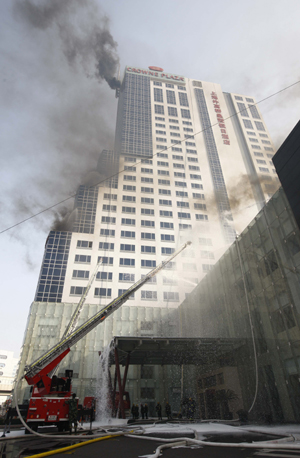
[
  {"x": 220, "y": 118},
  {"x": 156, "y": 72}
]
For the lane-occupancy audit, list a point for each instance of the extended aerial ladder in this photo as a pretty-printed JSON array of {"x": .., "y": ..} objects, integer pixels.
[{"x": 36, "y": 371}]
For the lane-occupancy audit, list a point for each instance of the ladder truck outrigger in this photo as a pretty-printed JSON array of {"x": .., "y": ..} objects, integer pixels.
[{"x": 47, "y": 404}]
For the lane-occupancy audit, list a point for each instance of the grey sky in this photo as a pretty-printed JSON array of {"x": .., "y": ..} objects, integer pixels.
[{"x": 56, "y": 116}]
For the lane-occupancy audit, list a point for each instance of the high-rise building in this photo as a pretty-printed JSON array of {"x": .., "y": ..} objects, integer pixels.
[{"x": 188, "y": 161}]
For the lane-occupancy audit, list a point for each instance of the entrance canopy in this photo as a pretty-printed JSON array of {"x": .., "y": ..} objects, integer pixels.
[{"x": 169, "y": 351}]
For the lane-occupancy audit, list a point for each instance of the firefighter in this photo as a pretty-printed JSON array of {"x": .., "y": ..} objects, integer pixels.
[
  {"x": 146, "y": 411},
  {"x": 133, "y": 411},
  {"x": 73, "y": 412},
  {"x": 143, "y": 411},
  {"x": 168, "y": 411},
  {"x": 191, "y": 408},
  {"x": 158, "y": 410},
  {"x": 137, "y": 412}
]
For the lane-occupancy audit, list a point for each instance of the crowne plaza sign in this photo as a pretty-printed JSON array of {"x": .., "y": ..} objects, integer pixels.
[{"x": 153, "y": 71}]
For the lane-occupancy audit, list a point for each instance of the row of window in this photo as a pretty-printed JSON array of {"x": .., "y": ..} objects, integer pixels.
[
  {"x": 162, "y": 213},
  {"x": 107, "y": 292},
  {"x": 161, "y": 182},
  {"x": 150, "y": 211},
  {"x": 169, "y": 85}
]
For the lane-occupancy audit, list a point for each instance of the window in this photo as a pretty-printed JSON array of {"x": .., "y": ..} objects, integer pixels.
[
  {"x": 184, "y": 215},
  {"x": 127, "y": 262},
  {"x": 166, "y": 192},
  {"x": 177, "y": 158},
  {"x": 122, "y": 291},
  {"x": 163, "y": 172},
  {"x": 3, "y": 356},
  {"x": 148, "y": 263},
  {"x": 251, "y": 133},
  {"x": 103, "y": 292},
  {"x": 163, "y": 164},
  {"x": 179, "y": 174},
  {"x": 192, "y": 159},
  {"x": 148, "y": 235},
  {"x": 84, "y": 244},
  {"x": 174, "y": 134},
  {"x": 147, "y": 190},
  {"x": 174, "y": 127},
  {"x": 172, "y": 111},
  {"x": 183, "y": 204},
  {"x": 175, "y": 121},
  {"x": 128, "y": 234},
  {"x": 130, "y": 168},
  {"x": 167, "y": 250},
  {"x": 267, "y": 148},
  {"x": 201, "y": 217},
  {"x": 129, "y": 178},
  {"x": 194, "y": 167},
  {"x": 237, "y": 97},
  {"x": 162, "y": 155},
  {"x": 106, "y": 246},
  {"x": 199, "y": 206},
  {"x": 160, "y": 132},
  {"x": 263, "y": 135},
  {"x": 165, "y": 202},
  {"x": 164, "y": 225},
  {"x": 191, "y": 151},
  {"x": 166, "y": 213},
  {"x": 181, "y": 88},
  {"x": 205, "y": 241},
  {"x": 188, "y": 129},
  {"x": 163, "y": 140},
  {"x": 106, "y": 260},
  {"x": 158, "y": 95},
  {"x": 149, "y": 295},
  {"x": 161, "y": 147},
  {"x": 189, "y": 266},
  {"x": 190, "y": 144},
  {"x": 127, "y": 277},
  {"x": 254, "y": 140},
  {"x": 255, "y": 147},
  {"x": 170, "y": 281},
  {"x": 128, "y": 209},
  {"x": 107, "y": 276},
  {"x": 196, "y": 186},
  {"x": 128, "y": 198},
  {"x": 128, "y": 221},
  {"x": 157, "y": 83},
  {"x": 178, "y": 150},
  {"x": 207, "y": 267},
  {"x": 159, "y": 109},
  {"x": 147, "y": 372},
  {"x": 185, "y": 113},
  {"x": 164, "y": 182},
  {"x": 260, "y": 161},
  {"x": 181, "y": 194},
  {"x": 178, "y": 166},
  {"x": 143, "y": 170},
  {"x": 147, "y": 223},
  {"x": 82, "y": 258},
  {"x": 148, "y": 249},
  {"x": 170, "y": 296},
  {"x": 247, "y": 124},
  {"x": 170, "y": 266},
  {"x": 147, "y": 200},
  {"x": 254, "y": 112},
  {"x": 147, "y": 393},
  {"x": 198, "y": 196},
  {"x": 158, "y": 124},
  {"x": 110, "y": 196},
  {"x": 129, "y": 159},
  {"x": 170, "y": 85},
  {"x": 263, "y": 169},
  {"x": 207, "y": 255},
  {"x": 181, "y": 184},
  {"x": 108, "y": 220},
  {"x": 183, "y": 100},
  {"x": 266, "y": 142},
  {"x": 259, "y": 125},
  {"x": 147, "y": 211},
  {"x": 84, "y": 274},
  {"x": 146, "y": 180},
  {"x": 242, "y": 109},
  {"x": 128, "y": 188},
  {"x": 195, "y": 177},
  {"x": 107, "y": 232},
  {"x": 125, "y": 247},
  {"x": 167, "y": 238},
  {"x": 77, "y": 290},
  {"x": 171, "y": 100}
]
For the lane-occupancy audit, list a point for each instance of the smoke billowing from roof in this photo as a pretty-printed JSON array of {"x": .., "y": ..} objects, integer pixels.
[{"x": 83, "y": 40}]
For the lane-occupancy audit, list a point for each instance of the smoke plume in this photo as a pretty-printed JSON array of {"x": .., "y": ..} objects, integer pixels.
[{"x": 83, "y": 40}]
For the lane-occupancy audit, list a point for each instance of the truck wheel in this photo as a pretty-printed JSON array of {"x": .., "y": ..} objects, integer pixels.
[
  {"x": 63, "y": 426},
  {"x": 33, "y": 426}
]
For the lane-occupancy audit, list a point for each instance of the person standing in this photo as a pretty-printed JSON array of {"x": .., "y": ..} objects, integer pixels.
[
  {"x": 133, "y": 411},
  {"x": 143, "y": 411},
  {"x": 191, "y": 408},
  {"x": 146, "y": 411},
  {"x": 158, "y": 410},
  {"x": 72, "y": 412},
  {"x": 168, "y": 411},
  {"x": 137, "y": 412}
]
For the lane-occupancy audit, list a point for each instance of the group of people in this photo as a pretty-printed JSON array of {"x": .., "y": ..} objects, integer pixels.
[
  {"x": 167, "y": 410},
  {"x": 135, "y": 411}
]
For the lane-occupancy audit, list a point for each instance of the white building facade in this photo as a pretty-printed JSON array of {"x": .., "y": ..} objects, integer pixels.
[
  {"x": 8, "y": 369},
  {"x": 190, "y": 162}
]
